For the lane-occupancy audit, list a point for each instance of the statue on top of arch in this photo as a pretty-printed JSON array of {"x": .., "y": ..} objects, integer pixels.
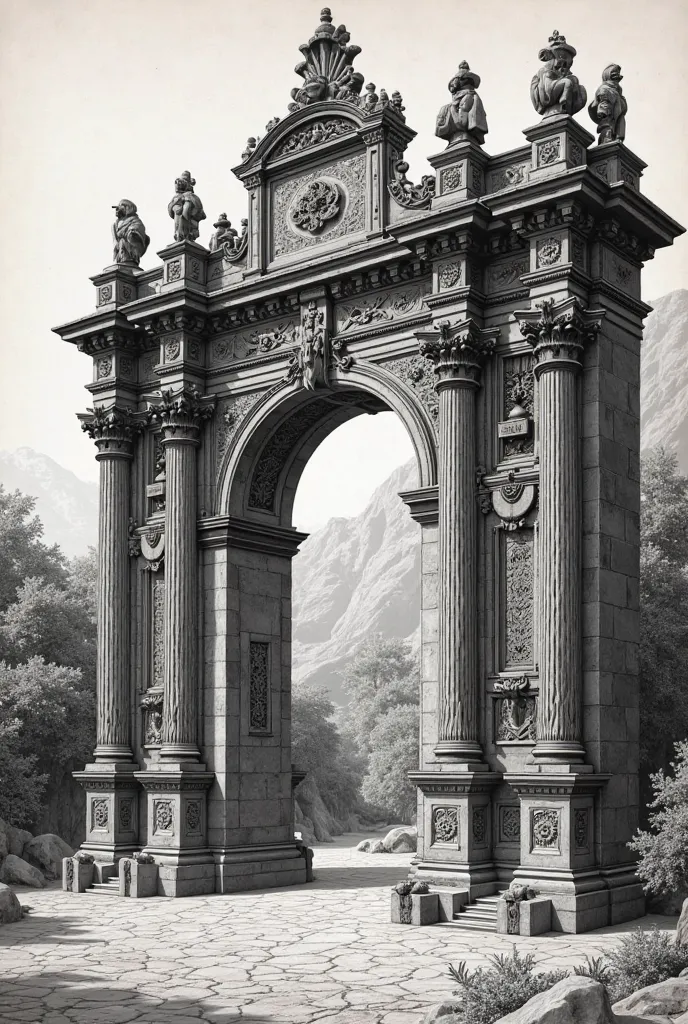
[
  {"x": 328, "y": 72},
  {"x": 554, "y": 89}
]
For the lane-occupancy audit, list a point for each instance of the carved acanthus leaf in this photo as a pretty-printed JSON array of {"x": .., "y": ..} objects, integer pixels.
[
  {"x": 559, "y": 330},
  {"x": 459, "y": 350}
]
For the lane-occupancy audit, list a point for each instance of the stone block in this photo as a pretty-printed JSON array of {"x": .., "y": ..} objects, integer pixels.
[
  {"x": 137, "y": 880},
  {"x": 536, "y": 916},
  {"x": 450, "y": 902},
  {"x": 416, "y": 909},
  {"x": 626, "y": 624},
  {"x": 626, "y": 429},
  {"x": 77, "y": 875}
]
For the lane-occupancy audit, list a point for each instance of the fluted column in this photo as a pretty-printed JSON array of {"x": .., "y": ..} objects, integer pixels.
[
  {"x": 180, "y": 415},
  {"x": 458, "y": 353},
  {"x": 558, "y": 334},
  {"x": 113, "y": 431}
]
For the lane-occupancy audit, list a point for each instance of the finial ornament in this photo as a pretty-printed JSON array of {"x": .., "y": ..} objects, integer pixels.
[
  {"x": 186, "y": 209},
  {"x": 328, "y": 72},
  {"x": 224, "y": 232},
  {"x": 464, "y": 117},
  {"x": 608, "y": 109},
  {"x": 554, "y": 89},
  {"x": 129, "y": 237}
]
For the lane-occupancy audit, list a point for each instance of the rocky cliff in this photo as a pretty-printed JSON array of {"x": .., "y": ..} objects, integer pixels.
[
  {"x": 66, "y": 505},
  {"x": 664, "y": 376}
]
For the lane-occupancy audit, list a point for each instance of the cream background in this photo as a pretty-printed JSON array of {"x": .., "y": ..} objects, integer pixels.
[{"x": 103, "y": 100}]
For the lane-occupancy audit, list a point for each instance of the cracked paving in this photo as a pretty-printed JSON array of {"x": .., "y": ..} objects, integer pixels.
[{"x": 320, "y": 952}]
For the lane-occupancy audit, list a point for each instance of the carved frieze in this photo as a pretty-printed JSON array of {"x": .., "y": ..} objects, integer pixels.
[
  {"x": 259, "y": 687},
  {"x": 245, "y": 344},
  {"x": 502, "y": 276},
  {"x": 276, "y": 452},
  {"x": 314, "y": 134},
  {"x": 420, "y": 377},
  {"x": 445, "y": 825},
  {"x": 348, "y": 176},
  {"x": 374, "y": 311},
  {"x": 518, "y": 598}
]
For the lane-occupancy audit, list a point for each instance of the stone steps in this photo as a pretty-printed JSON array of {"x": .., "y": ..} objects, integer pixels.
[
  {"x": 480, "y": 915},
  {"x": 109, "y": 888}
]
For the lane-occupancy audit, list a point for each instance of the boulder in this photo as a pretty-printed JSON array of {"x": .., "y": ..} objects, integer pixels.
[
  {"x": 15, "y": 871},
  {"x": 403, "y": 839},
  {"x": 682, "y": 926},
  {"x": 47, "y": 852},
  {"x": 364, "y": 846},
  {"x": 667, "y": 998},
  {"x": 443, "y": 1012},
  {"x": 10, "y": 907},
  {"x": 570, "y": 1001},
  {"x": 377, "y": 846},
  {"x": 14, "y": 838}
]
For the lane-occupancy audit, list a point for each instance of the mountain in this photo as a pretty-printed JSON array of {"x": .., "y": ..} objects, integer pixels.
[
  {"x": 355, "y": 577},
  {"x": 66, "y": 505},
  {"x": 664, "y": 376}
]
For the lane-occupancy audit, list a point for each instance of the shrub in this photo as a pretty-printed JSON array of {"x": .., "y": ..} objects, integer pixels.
[
  {"x": 643, "y": 958},
  {"x": 663, "y": 851},
  {"x": 489, "y": 993}
]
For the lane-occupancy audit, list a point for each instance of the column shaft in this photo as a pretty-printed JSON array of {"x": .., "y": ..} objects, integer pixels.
[
  {"x": 179, "y": 728},
  {"x": 458, "y": 633},
  {"x": 559, "y": 704},
  {"x": 112, "y": 672}
]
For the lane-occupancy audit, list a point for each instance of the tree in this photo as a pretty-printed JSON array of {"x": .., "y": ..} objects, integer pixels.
[
  {"x": 663, "y": 849},
  {"x": 663, "y": 620},
  {"x": 394, "y": 753},
  {"x": 22, "y": 553}
]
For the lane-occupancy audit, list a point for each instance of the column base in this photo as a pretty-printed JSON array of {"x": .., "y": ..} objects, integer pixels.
[
  {"x": 464, "y": 755},
  {"x": 262, "y": 867},
  {"x": 112, "y": 828},
  {"x": 580, "y": 898},
  {"x": 564, "y": 753}
]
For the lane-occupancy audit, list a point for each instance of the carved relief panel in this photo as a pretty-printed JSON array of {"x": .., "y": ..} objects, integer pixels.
[
  {"x": 518, "y": 605},
  {"x": 321, "y": 205},
  {"x": 259, "y": 690},
  {"x": 518, "y": 406}
]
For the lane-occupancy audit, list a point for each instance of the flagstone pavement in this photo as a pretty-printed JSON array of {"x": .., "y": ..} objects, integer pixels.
[{"x": 320, "y": 952}]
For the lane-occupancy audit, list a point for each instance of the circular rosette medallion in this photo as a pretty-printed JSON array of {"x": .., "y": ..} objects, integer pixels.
[{"x": 317, "y": 206}]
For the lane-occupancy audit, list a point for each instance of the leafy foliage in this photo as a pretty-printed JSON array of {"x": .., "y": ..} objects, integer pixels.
[
  {"x": 594, "y": 968},
  {"x": 643, "y": 958},
  {"x": 319, "y": 748},
  {"x": 21, "y": 785},
  {"x": 663, "y": 849},
  {"x": 394, "y": 754},
  {"x": 22, "y": 553},
  {"x": 663, "y": 621},
  {"x": 489, "y": 993}
]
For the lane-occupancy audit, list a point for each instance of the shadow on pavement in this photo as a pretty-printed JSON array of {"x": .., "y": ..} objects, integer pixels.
[{"x": 93, "y": 1000}]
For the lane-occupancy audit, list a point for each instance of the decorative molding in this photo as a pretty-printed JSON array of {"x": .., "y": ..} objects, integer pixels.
[
  {"x": 259, "y": 687},
  {"x": 558, "y": 330},
  {"x": 445, "y": 826},
  {"x": 545, "y": 830},
  {"x": 501, "y": 276},
  {"x": 518, "y": 598},
  {"x": 314, "y": 135},
  {"x": 230, "y": 414},
  {"x": 408, "y": 195},
  {"x": 318, "y": 204},
  {"x": 459, "y": 350},
  {"x": 508, "y": 177},
  {"x": 372, "y": 311},
  {"x": 417, "y": 373},
  {"x": 113, "y": 430},
  {"x": 276, "y": 452},
  {"x": 181, "y": 413}
]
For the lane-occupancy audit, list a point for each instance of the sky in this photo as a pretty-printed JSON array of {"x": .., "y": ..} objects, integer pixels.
[{"x": 102, "y": 100}]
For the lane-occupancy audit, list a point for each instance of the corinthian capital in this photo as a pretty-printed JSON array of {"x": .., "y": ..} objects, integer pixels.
[
  {"x": 112, "y": 429},
  {"x": 458, "y": 351},
  {"x": 181, "y": 413},
  {"x": 558, "y": 331}
]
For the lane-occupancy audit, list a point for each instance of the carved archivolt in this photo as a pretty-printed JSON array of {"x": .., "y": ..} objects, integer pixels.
[
  {"x": 276, "y": 452},
  {"x": 418, "y": 374},
  {"x": 230, "y": 414}
]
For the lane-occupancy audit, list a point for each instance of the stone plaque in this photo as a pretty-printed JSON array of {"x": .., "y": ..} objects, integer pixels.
[{"x": 512, "y": 428}]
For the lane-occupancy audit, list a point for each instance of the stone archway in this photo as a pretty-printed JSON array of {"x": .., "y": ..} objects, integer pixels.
[{"x": 495, "y": 307}]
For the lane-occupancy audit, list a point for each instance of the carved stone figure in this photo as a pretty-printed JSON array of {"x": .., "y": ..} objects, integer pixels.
[
  {"x": 327, "y": 67},
  {"x": 308, "y": 363},
  {"x": 464, "y": 117},
  {"x": 553, "y": 89},
  {"x": 251, "y": 144},
  {"x": 350, "y": 90},
  {"x": 224, "y": 232},
  {"x": 608, "y": 109},
  {"x": 405, "y": 193},
  {"x": 186, "y": 209},
  {"x": 128, "y": 234}
]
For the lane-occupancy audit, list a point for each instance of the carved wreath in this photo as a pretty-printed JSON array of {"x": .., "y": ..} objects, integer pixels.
[{"x": 320, "y": 203}]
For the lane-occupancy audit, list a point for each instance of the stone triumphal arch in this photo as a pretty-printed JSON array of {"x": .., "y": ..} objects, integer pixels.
[{"x": 494, "y": 307}]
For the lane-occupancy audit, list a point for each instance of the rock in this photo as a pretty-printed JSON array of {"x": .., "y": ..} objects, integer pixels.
[
  {"x": 443, "y": 1012},
  {"x": 682, "y": 926},
  {"x": 46, "y": 852},
  {"x": 684, "y": 973},
  {"x": 403, "y": 839},
  {"x": 15, "y": 871},
  {"x": 15, "y": 838},
  {"x": 10, "y": 907},
  {"x": 364, "y": 846},
  {"x": 570, "y": 1001},
  {"x": 377, "y": 846},
  {"x": 310, "y": 805},
  {"x": 667, "y": 998}
]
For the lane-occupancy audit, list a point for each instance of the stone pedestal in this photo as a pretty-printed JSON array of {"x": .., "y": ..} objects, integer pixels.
[
  {"x": 558, "y": 144},
  {"x": 460, "y": 173},
  {"x": 136, "y": 879},
  {"x": 416, "y": 909},
  {"x": 526, "y": 917},
  {"x": 111, "y": 812},
  {"x": 77, "y": 875}
]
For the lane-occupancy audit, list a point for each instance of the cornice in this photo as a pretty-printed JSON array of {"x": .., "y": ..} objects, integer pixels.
[{"x": 226, "y": 531}]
